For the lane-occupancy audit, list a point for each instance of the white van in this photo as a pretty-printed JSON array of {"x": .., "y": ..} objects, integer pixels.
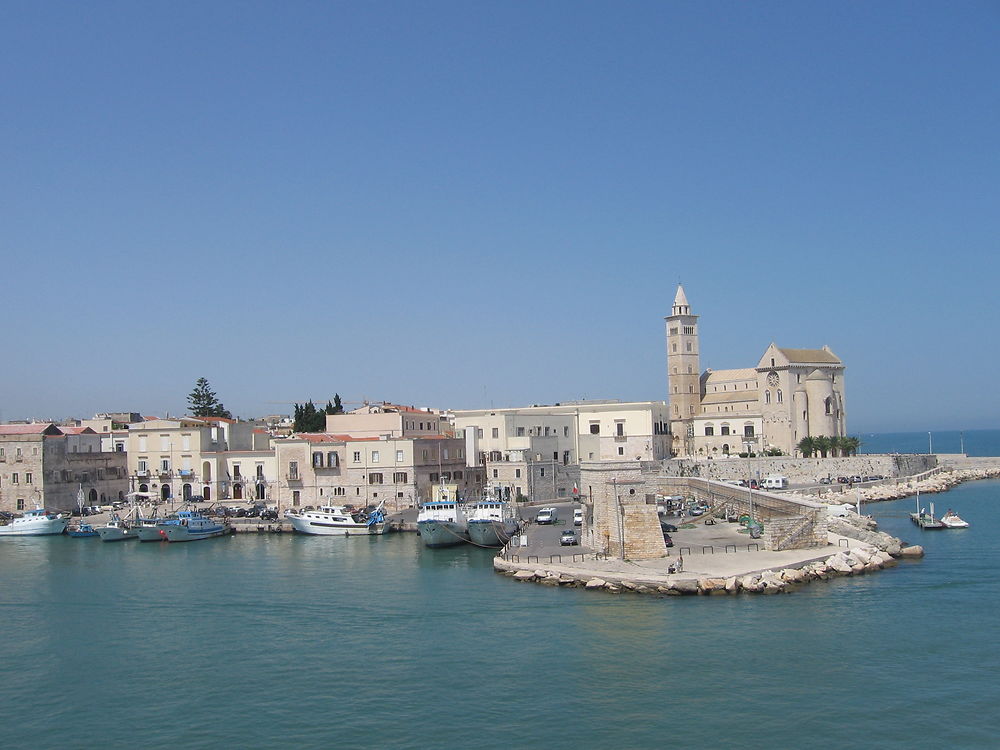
[{"x": 775, "y": 482}]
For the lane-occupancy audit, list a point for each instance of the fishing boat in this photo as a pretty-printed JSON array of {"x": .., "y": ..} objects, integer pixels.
[
  {"x": 492, "y": 522},
  {"x": 117, "y": 529},
  {"x": 148, "y": 529},
  {"x": 190, "y": 526},
  {"x": 952, "y": 520},
  {"x": 82, "y": 530},
  {"x": 38, "y": 522},
  {"x": 442, "y": 523},
  {"x": 336, "y": 520}
]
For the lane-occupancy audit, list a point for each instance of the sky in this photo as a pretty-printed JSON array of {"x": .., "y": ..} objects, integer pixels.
[{"x": 462, "y": 205}]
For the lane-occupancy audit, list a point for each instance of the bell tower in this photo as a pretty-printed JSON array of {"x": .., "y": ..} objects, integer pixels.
[{"x": 683, "y": 372}]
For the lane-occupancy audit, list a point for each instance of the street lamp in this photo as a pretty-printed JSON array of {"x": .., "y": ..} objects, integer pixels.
[{"x": 930, "y": 444}]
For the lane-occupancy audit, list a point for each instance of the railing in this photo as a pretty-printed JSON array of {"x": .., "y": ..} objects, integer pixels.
[
  {"x": 621, "y": 438},
  {"x": 292, "y": 477}
]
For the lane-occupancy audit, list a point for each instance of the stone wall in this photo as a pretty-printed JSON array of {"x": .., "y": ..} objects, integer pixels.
[{"x": 801, "y": 469}]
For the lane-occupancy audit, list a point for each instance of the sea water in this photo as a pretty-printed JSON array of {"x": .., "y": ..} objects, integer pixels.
[{"x": 261, "y": 641}]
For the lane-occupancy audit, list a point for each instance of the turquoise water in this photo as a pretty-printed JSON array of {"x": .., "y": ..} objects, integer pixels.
[
  {"x": 288, "y": 641},
  {"x": 975, "y": 442}
]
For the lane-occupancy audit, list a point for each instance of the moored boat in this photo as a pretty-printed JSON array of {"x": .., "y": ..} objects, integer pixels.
[
  {"x": 442, "y": 523},
  {"x": 191, "y": 526},
  {"x": 38, "y": 522},
  {"x": 117, "y": 530},
  {"x": 926, "y": 520},
  {"x": 492, "y": 522},
  {"x": 952, "y": 520},
  {"x": 82, "y": 530},
  {"x": 336, "y": 520}
]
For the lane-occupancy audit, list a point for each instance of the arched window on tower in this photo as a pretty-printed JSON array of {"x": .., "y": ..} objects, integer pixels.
[
  {"x": 829, "y": 405},
  {"x": 780, "y": 399},
  {"x": 674, "y": 347},
  {"x": 767, "y": 396},
  {"x": 689, "y": 346}
]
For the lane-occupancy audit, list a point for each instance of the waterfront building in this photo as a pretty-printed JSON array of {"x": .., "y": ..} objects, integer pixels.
[
  {"x": 534, "y": 452},
  {"x": 790, "y": 394},
  {"x": 44, "y": 465},
  {"x": 212, "y": 458},
  {"x": 323, "y": 468}
]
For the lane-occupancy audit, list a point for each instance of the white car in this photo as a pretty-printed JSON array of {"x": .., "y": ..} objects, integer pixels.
[
  {"x": 578, "y": 517},
  {"x": 546, "y": 516}
]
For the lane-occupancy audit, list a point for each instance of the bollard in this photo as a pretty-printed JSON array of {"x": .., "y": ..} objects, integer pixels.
[{"x": 730, "y": 545}]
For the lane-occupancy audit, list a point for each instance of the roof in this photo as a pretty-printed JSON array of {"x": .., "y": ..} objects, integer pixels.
[
  {"x": 730, "y": 397},
  {"x": 717, "y": 376},
  {"x": 214, "y": 419},
  {"x": 810, "y": 356},
  {"x": 680, "y": 299},
  {"x": 325, "y": 437},
  {"x": 38, "y": 428},
  {"x": 78, "y": 431}
]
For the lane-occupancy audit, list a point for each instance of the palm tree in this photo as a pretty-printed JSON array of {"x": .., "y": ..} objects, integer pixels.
[
  {"x": 835, "y": 446},
  {"x": 807, "y": 446},
  {"x": 850, "y": 445},
  {"x": 821, "y": 443}
]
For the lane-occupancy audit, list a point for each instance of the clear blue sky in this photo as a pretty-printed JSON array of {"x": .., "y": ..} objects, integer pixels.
[{"x": 465, "y": 204}]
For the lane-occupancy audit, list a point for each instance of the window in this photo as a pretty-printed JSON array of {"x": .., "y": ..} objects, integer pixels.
[
  {"x": 374, "y": 457},
  {"x": 496, "y": 474},
  {"x": 461, "y": 452},
  {"x": 829, "y": 407},
  {"x": 375, "y": 478},
  {"x": 517, "y": 473},
  {"x": 620, "y": 429},
  {"x": 479, "y": 432},
  {"x": 555, "y": 455},
  {"x": 673, "y": 331},
  {"x": 748, "y": 430},
  {"x": 595, "y": 428},
  {"x": 444, "y": 454},
  {"x": 673, "y": 347},
  {"x": 339, "y": 491},
  {"x": 767, "y": 397},
  {"x": 621, "y": 451},
  {"x": 185, "y": 442},
  {"x": 143, "y": 466},
  {"x": 13, "y": 479},
  {"x": 541, "y": 472},
  {"x": 425, "y": 453},
  {"x": 293, "y": 471},
  {"x": 236, "y": 471},
  {"x": 260, "y": 468},
  {"x": 709, "y": 430},
  {"x": 520, "y": 432},
  {"x": 20, "y": 504},
  {"x": 27, "y": 478},
  {"x": 317, "y": 460},
  {"x": 724, "y": 430},
  {"x": 780, "y": 399},
  {"x": 399, "y": 457},
  {"x": 689, "y": 346},
  {"x": 295, "y": 497},
  {"x": 399, "y": 477},
  {"x": 433, "y": 477},
  {"x": 495, "y": 432}
]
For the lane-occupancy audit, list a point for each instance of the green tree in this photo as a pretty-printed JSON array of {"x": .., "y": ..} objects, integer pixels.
[
  {"x": 807, "y": 446},
  {"x": 835, "y": 446},
  {"x": 329, "y": 408},
  {"x": 308, "y": 418},
  {"x": 338, "y": 407},
  {"x": 850, "y": 446},
  {"x": 204, "y": 402}
]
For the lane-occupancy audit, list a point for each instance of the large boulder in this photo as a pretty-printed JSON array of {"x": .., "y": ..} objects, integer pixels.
[
  {"x": 710, "y": 585},
  {"x": 596, "y": 583},
  {"x": 685, "y": 586},
  {"x": 524, "y": 575},
  {"x": 914, "y": 550}
]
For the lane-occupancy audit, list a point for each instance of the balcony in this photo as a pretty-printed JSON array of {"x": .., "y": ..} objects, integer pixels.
[
  {"x": 621, "y": 438},
  {"x": 296, "y": 477},
  {"x": 142, "y": 473}
]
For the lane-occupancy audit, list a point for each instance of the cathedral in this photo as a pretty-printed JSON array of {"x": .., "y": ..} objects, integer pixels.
[{"x": 790, "y": 394}]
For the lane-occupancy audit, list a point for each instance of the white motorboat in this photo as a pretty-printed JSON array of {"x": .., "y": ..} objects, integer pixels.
[
  {"x": 38, "y": 522},
  {"x": 492, "y": 522},
  {"x": 336, "y": 520},
  {"x": 442, "y": 523},
  {"x": 952, "y": 520}
]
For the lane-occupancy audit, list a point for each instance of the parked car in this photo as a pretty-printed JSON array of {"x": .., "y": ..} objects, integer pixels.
[
  {"x": 667, "y": 540},
  {"x": 844, "y": 480},
  {"x": 855, "y": 479},
  {"x": 665, "y": 527},
  {"x": 269, "y": 515},
  {"x": 578, "y": 517},
  {"x": 824, "y": 480},
  {"x": 568, "y": 537},
  {"x": 546, "y": 516}
]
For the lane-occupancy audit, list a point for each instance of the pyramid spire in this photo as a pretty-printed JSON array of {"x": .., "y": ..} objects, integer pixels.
[{"x": 681, "y": 306}]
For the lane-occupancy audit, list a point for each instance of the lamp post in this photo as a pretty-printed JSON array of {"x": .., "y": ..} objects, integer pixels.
[
  {"x": 930, "y": 444},
  {"x": 748, "y": 445}
]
